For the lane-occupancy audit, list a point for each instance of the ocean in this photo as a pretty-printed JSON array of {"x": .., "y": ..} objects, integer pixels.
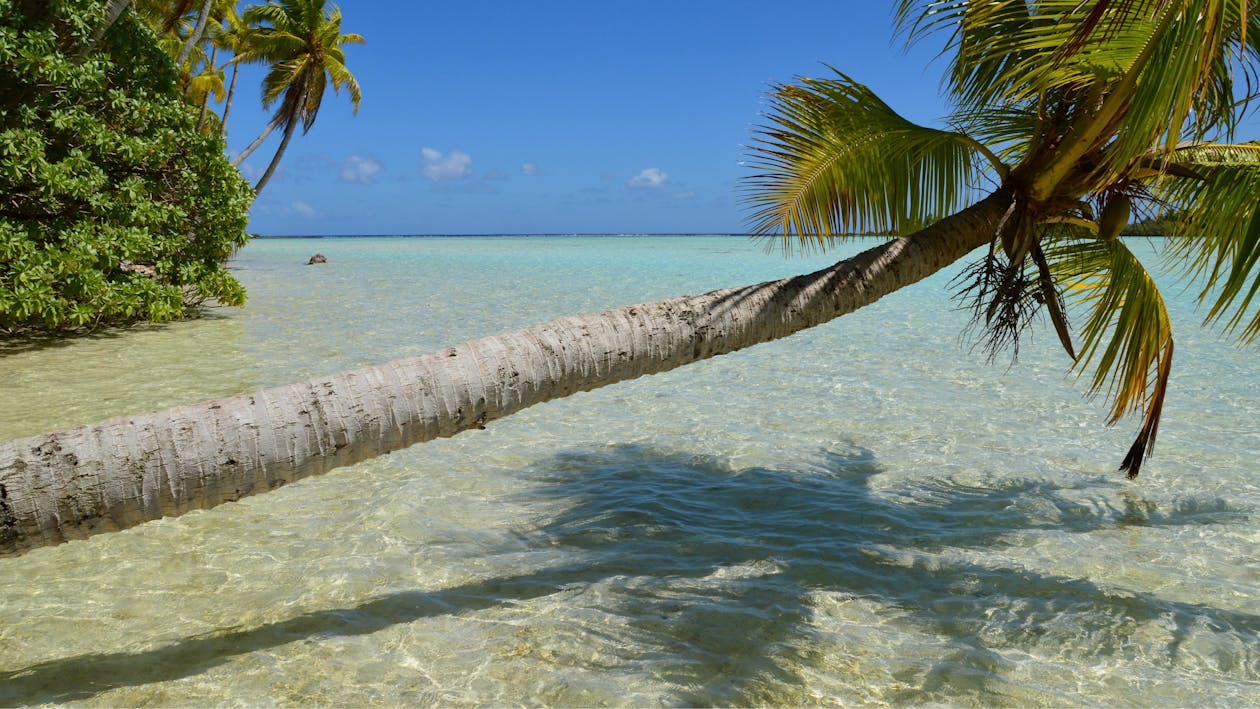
[{"x": 865, "y": 513}]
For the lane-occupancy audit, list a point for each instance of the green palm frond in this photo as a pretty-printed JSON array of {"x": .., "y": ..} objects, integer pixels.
[
  {"x": 1221, "y": 45},
  {"x": 999, "y": 50},
  {"x": 1127, "y": 337},
  {"x": 1135, "y": 73},
  {"x": 1218, "y": 189},
  {"x": 340, "y": 77},
  {"x": 282, "y": 76},
  {"x": 1005, "y": 129},
  {"x": 835, "y": 159},
  {"x": 1177, "y": 86},
  {"x": 302, "y": 43}
]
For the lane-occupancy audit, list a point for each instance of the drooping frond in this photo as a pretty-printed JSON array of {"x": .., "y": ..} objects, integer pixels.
[
  {"x": 1127, "y": 337},
  {"x": 835, "y": 160},
  {"x": 1217, "y": 187},
  {"x": 208, "y": 83}
]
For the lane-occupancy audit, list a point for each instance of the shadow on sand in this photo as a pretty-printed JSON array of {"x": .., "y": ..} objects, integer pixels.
[{"x": 658, "y": 526}]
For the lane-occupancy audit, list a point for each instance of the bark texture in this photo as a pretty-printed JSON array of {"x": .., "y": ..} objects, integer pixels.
[{"x": 77, "y": 482}]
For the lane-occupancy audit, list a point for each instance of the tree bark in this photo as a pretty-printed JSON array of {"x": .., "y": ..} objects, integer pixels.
[
  {"x": 240, "y": 158},
  {"x": 205, "y": 99},
  {"x": 275, "y": 159},
  {"x": 195, "y": 36},
  {"x": 108, "y": 476},
  {"x": 113, "y": 10},
  {"x": 227, "y": 105}
]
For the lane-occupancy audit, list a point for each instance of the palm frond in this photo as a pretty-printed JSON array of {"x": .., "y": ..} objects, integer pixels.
[
  {"x": 835, "y": 160},
  {"x": 340, "y": 77},
  {"x": 1007, "y": 51},
  {"x": 1127, "y": 337},
  {"x": 1218, "y": 243},
  {"x": 208, "y": 83},
  {"x": 1135, "y": 73}
]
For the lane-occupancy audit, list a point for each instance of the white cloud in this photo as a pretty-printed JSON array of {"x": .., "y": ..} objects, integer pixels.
[
  {"x": 250, "y": 171},
  {"x": 649, "y": 178},
  {"x": 530, "y": 168},
  {"x": 439, "y": 167},
  {"x": 360, "y": 170},
  {"x": 302, "y": 209},
  {"x": 684, "y": 195}
]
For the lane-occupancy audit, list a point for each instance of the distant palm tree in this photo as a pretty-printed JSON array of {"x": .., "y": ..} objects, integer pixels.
[
  {"x": 302, "y": 42},
  {"x": 229, "y": 33}
]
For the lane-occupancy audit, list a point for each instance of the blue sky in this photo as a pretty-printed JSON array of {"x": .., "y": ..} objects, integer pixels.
[{"x": 560, "y": 117}]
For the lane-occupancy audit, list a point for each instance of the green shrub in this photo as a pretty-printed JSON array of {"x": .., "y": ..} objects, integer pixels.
[{"x": 113, "y": 208}]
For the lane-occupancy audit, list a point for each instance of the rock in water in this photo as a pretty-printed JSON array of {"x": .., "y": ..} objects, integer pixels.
[{"x": 317, "y": 258}]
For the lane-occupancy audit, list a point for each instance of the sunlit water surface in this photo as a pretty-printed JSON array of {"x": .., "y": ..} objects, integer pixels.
[{"x": 863, "y": 513}]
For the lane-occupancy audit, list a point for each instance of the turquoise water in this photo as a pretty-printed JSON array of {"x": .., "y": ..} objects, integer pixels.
[{"x": 862, "y": 513}]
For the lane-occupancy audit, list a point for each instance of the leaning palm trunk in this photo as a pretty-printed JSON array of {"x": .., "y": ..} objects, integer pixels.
[
  {"x": 113, "y": 10},
  {"x": 275, "y": 159},
  {"x": 195, "y": 35},
  {"x": 249, "y": 149},
  {"x": 227, "y": 104},
  {"x": 73, "y": 483}
]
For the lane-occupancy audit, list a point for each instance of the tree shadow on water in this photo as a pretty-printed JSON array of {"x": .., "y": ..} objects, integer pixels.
[{"x": 714, "y": 573}]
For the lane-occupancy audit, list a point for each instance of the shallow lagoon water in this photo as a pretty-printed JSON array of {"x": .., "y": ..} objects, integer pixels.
[{"x": 863, "y": 513}]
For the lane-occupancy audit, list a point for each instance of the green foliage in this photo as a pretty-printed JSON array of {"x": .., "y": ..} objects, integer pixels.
[
  {"x": 836, "y": 159},
  {"x": 1076, "y": 113},
  {"x": 1162, "y": 225},
  {"x": 113, "y": 208}
]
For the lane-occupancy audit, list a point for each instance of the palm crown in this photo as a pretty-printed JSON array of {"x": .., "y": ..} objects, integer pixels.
[
  {"x": 302, "y": 41},
  {"x": 1078, "y": 112}
]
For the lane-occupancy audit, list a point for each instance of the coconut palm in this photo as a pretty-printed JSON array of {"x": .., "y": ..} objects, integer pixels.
[
  {"x": 1076, "y": 111},
  {"x": 195, "y": 34},
  {"x": 229, "y": 33},
  {"x": 302, "y": 42},
  {"x": 1079, "y": 113}
]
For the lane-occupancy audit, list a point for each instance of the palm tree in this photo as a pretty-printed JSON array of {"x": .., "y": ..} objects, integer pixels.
[
  {"x": 1074, "y": 110},
  {"x": 302, "y": 42},
  {"x": 195, "y": 34},
  {"x": 1079, "y": 113},
  {"x": 229, "y": 33},
  {"x": 113, "y": 10}
]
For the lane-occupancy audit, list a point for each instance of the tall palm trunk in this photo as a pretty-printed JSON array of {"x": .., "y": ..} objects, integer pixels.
[
  {"x": 275, "y": 159},
  {"x": 113, "y": 10},
  {"x": 227, "y": 104},
  {"x": 195, "y": 36},
  {"x": 77, "y": 482},
  {"x": 240, "y": 157},
  {"x": 205, "y": 100}
]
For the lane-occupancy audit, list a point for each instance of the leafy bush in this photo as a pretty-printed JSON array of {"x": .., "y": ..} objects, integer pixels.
[{"x": 113, "y": 208}]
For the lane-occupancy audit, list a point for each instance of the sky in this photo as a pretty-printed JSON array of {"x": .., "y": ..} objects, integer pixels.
[{"x": 560, "y": 117}]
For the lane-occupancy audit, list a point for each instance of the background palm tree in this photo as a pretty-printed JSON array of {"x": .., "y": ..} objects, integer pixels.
[
  {"x": 1075, "y": 111},
  {"x": 302, "y": 42},
  {"x": 229, "y": 33}
]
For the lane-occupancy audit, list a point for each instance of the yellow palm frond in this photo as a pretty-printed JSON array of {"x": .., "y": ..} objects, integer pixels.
[
  {"x": 835, "y": 160},
  {"x": 1127, "y": 338}
]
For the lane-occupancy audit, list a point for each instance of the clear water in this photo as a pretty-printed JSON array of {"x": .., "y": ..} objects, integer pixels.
[{"x": 863, "y": 513}]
